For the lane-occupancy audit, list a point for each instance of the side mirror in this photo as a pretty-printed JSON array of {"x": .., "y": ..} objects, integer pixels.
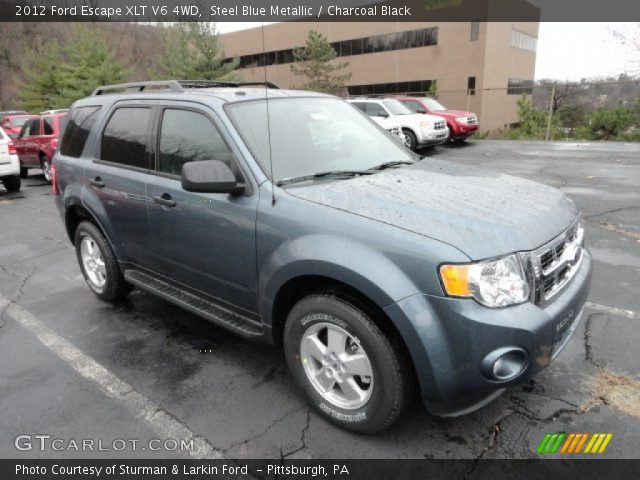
[
  {"x": 383, "y": 115},
  {"x": 210, "y": 176}
]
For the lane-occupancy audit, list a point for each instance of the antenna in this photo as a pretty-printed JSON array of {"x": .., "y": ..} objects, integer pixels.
[{"x": 266, "y": 92}]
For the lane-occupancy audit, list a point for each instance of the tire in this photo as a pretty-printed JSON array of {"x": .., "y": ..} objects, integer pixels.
[
  {"x": 46, "y": 168},
  {"x": 104, "y": 267},
  {"x": 410, "y": 139},
  {"x": 12, "y": 183},
  {"x": 380, "y": 398},
  {"x": 24, "y": 172}
]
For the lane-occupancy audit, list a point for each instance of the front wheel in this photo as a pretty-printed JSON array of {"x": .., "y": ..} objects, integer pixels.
[
  {"x": 352, "y": 373},
  {"x": 410, "y": 139},
  {"x": 99, "y": 264},
  {"x": 12, "y": 183}
]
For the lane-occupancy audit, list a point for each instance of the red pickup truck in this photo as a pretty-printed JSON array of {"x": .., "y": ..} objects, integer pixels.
[
  {"x": 37, "y": 142},
  {"x": 461, "y": 124}
]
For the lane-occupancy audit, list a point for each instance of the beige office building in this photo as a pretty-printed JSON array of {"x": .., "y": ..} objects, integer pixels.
[{"x": 482, "y": 67}]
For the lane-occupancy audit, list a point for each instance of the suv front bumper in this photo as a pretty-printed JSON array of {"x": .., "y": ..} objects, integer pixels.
[
  {"x": 433, "y": 137},
  {"x": 448, "y": 339}
]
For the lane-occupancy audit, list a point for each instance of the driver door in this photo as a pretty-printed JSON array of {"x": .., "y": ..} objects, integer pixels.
[{"x": 205, "y": 241}]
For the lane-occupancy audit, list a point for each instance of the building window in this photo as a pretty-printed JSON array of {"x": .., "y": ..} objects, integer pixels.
[
  {"x": 414, "y": 87},
  {"x": 523, "y": 41},
  {"x": 516, "y": 86},
  {"x": 475, "y": 31},
  {"x": 471, "y": 85},
  {"x": 425, "y": 37}
]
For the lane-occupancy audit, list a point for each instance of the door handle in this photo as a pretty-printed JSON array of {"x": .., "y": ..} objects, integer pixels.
[
  {"x": 165, "y": 200},
  {"x": 97, "y": 182}
]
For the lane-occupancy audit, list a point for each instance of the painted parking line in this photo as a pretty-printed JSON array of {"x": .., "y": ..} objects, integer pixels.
[
  {"x": 612, "y": 310},
  {"x": 113, "y": 387}
]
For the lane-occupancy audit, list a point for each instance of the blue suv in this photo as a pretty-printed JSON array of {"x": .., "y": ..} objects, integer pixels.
[{"x": 291, "y": 218}]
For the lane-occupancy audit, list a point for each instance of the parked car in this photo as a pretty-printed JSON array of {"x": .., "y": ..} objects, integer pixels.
[
  {"x": 461, "y": 124},
  {"x": 13, "y": 123},
  {"x": 9, "y": 163},
  {"x": 53, "y": 112},
  {"x": 376, "y": 272},
  {"x": 37, "y": 142},
  {"x": 419, "y": 130},
  {"x": 11, "y": 112}
]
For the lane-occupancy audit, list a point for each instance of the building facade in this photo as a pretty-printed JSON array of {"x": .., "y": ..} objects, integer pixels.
[{"x": 479, "y": 66}]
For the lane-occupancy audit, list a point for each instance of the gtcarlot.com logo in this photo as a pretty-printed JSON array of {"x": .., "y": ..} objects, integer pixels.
[{"x": 561, "y": 442}]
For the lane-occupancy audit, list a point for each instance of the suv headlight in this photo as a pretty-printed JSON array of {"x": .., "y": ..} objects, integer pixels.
[
  {"x": 495, "y": 283},
  {"x": 463, "y": 120},
  {"x": 427, "y": 124}
]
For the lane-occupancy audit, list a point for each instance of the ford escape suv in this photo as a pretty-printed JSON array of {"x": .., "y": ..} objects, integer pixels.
[{"x": 292, "y": 218}]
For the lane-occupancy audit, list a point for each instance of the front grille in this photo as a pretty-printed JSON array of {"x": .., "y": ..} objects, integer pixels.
[
  {"x": 440, "y": 125},
  {"x": 556, "y": 263},
  {"x": 472, "y": 120}
]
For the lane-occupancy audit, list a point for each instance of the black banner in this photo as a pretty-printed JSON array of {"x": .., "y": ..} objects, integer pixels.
[
  {"x": 310, "y": 469},
  {"x": 317, "y": 10}
]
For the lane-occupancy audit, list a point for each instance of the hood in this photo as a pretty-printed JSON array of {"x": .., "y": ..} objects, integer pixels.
[
  {"x": 453, "y": 113},
  {"x": 416, "y": 118},
  {"x": 484, "y": 214}
]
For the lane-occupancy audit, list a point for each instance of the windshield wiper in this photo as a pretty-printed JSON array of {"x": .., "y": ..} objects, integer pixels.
[
  {"x": 395, "y": 163},
  {"x": 331, "y": 173}
]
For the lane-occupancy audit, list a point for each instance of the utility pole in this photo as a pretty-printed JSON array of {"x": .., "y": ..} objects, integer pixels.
[{"x": 553, "y": 96}]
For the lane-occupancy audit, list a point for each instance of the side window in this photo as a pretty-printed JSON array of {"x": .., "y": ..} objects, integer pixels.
[
  {"x": 360, "y": 106},
  {"x": 24, "y": 131},
  {"x": 375, "y": 110},
  {"x": 124, "y": 139},
  {"x": 188, "y": 136},
  {"x": 414, "y": 106},
  {"x": 34, "y": 127},
  {"x": 47, "y": 123},
  {"x": 78, "y": 126}
]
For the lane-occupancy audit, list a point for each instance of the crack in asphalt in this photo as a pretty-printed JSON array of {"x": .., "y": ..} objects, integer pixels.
[
  {"x": 265, "y": 431},
  {"x": 17, "y": 297},
  {"x": 588, "y": 353},
  {"x": 614, "y": 210},
  {"x": 303, "y": 439}
]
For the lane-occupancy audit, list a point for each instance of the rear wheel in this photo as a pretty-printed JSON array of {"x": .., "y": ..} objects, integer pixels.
[
  {"x": 46, "y": 168},
  {"x": 352, "y": 373},
  {"x": 99, "y": 264},
  {"x": 410, "y": 139},
  {"x": 12, "y": 183}
]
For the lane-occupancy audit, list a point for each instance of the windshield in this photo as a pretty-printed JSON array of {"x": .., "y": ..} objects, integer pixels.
[
  {"x": 396, "y": 108},
  {"x": 311, "y": 135},
  {"x": 433, "y": 105}
]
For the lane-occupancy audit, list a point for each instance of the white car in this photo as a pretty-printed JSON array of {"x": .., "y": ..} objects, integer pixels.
[
  {"x": 418, "y": 129},
  {"x": 9, "y": 163}
]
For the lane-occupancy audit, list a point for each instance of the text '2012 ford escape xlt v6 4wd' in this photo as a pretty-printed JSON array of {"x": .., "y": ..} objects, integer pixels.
[{"x": 292, "y": 218}]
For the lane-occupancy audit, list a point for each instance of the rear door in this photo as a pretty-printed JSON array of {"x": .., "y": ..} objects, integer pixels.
[
  {"x": 26, "y": 144},
  {"x": 204, "y": 241},
  {"x": 116, "y": 177}
]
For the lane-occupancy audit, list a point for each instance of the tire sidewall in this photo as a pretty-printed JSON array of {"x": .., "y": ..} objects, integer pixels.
[
  {"x": 411, "y": 137},
  {"x": 86, "y": 229},
  {"x": 319, "y": 309}
]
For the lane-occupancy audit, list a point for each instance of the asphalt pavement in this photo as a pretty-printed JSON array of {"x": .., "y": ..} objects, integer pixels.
[{"x": 75, "y": 368}]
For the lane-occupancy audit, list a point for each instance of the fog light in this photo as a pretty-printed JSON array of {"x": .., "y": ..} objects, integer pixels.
[{"x": 504, "y": 364}]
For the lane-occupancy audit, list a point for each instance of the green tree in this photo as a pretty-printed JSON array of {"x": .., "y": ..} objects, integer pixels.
[
  {"x": 532, "y": 123},
  {"x": 433, "y": 90},
  {"x": 40, "y": 78},
  {"x": 316, "y": 62},
  {"x": 617, "y": 123},
  {"x": 192, "y": 51},
  {"x": 55, "y": 75},
  {"x": 91, "y": 63}
]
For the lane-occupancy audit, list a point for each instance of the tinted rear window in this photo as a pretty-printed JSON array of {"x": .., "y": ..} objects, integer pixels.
[
  {"x": 124, "y": 139},
  {"x": 79, "y": 123}
]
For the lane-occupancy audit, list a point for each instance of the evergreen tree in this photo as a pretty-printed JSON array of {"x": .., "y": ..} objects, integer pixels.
[
  {"x": 192, "y": 51},
  {"x": 315, "y": 62},
  {"x": 40, "y": 79}
]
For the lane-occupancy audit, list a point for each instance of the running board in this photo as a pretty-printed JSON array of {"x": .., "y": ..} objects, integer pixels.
[{"x": 217, "y": 314}]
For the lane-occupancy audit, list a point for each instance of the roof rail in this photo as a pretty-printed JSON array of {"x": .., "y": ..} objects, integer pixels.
[{"x": 174, "y": 86}]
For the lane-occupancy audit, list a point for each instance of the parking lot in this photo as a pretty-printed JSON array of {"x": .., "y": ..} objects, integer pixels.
[{"x": 74, "y": 367}]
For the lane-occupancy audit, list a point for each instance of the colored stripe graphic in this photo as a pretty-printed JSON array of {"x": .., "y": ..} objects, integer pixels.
[{"x": 573, "y": 443}]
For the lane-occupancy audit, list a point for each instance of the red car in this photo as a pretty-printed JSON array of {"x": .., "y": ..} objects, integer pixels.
[
  {"x": 461, "y": 124},
  {"x": 12, "y": 122},
  {"x": 37, "y": 142}
]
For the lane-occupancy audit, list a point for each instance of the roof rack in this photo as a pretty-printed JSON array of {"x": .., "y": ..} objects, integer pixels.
[{"x": 178, "y": 86}]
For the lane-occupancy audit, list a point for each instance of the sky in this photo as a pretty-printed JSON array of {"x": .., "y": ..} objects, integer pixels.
[{"x": 566, "y": 51}]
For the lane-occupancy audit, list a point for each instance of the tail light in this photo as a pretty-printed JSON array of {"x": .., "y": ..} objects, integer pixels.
[
  {"x": 55, "y": 189},
  {"x": 12, "y": 149}
]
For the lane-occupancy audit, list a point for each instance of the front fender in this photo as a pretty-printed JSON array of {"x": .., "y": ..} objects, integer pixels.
[{"x": 342, "y": 259}]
